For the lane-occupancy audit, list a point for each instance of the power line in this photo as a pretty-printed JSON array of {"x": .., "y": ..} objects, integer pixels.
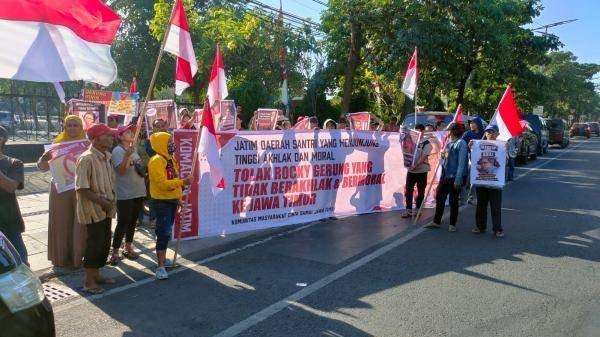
[
  {"x": 545, "y": 27},
  {"x": 289, "y": 15},
  {"x": 320, "y": 2}
]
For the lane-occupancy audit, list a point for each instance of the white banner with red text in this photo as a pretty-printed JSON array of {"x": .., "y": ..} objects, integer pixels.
[{"x": 279, "y": 178}]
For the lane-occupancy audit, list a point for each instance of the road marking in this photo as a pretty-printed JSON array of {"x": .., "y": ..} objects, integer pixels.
[
  {"x": 562, "y": 153},
  {"x": 292, "y": 299}
]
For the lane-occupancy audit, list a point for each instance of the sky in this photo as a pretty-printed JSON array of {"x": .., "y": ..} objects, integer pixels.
[{"x": 582, "y": 37}]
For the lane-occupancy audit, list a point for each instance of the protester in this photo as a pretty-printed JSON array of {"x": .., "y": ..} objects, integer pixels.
[
  {"x": 112, "y": 121},
  {"x": 512, "y": 151},
  {"x": 186, "y": 119},
  {"x": 12, "y": 178},
  {"x": 238, "y": 123},
  {"x": 166, "y": 192},
  {"x": 158, "y": 125},
  {"x": 329, "y": 124},
  {"x": 314, "y": 123},
  {"x": 343, "y": 123},
  {"x": 66, "y": 236},
  {"x": 96, "y": 201},
  {"x": 130, "y": 190},
  {"x": 491, "y": 196},
  {"x": 440, "y": 126},
  {"x": 475, "y": 132},
  {"x": 454, "y": 172},
  {"x": 417, "y": 174},
  {"x": 429, "y": 127}
]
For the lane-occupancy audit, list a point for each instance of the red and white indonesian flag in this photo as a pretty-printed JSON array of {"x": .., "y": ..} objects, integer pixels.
[
  {"x": 208, "y": 147},
  {"x": 409, "y": 85},
  {"x": 57, "y": 40},
  {"x": 507, "y": 116},
  {"x": 303, "y": 123},
  {"x": 179, "y": 43},
  {"x": 217, "y": 87},
  {"x": 458, "y": 116}
]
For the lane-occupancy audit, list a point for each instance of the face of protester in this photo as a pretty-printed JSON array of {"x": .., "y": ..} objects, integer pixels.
[
  {"x": 185, "y": 119},
  {"x": 286, "y": 125},
  {"x": 342, "y": 125},
  {"x": 113, "y": 122},
  {"x": 103, "y": 143},
  {"x": 330, "y": 126},
  {"x": 491, "y": 135},
  {"x": 473, "y": 126},
  {"x": 73, "y": 128},
  {"x": 428, "y": 128},
  {"x": 159, "y": 126},
  {"x": 126, "y": 137},
  {"x": 238, "y": 123}
]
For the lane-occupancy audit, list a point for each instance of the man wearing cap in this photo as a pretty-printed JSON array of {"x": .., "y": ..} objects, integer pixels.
[
  {"x": 130, "y": 190},
  {"x": 96, "y": 201}
]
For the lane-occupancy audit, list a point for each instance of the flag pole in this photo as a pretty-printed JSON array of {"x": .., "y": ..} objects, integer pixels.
[
  {"x": 142, "y": 113},
  {"x": 186, "y": 195},
  {"x": 428, "y": 191}
]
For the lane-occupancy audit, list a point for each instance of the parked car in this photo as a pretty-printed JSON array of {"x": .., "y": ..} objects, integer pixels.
[
  {"x": 9, "y": 121},
  {"x": 539, "y": 127},
  {"x": 580, "y": 129},
  {"x": 595, "y": 128},
  {"x": 427, "y": 117},
  {"x": 24, "y": 309},
  {"x": 528, "y": 144},
  {"x": 558, "y": 132}
]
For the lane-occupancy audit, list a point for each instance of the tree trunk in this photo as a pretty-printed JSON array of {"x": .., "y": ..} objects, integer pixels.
[{"x": 352, "y": 64}]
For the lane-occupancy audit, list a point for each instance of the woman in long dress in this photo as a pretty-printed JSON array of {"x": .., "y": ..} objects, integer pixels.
[{"x": 66, "y": 237}]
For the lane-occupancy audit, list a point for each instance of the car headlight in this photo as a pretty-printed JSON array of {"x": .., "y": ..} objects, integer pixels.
[{"x": 20, "y": 289}]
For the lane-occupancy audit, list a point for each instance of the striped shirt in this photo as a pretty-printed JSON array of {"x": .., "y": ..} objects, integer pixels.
[{"x": 94, "y": 171}]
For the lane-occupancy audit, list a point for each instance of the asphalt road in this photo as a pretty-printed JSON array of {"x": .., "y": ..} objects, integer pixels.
[{"x": 375, "y": 275}]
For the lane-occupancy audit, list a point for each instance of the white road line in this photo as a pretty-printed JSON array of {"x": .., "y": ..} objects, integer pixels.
[
  {"x": 292, "y": 299},
  {"x": 535, "y": 168}
]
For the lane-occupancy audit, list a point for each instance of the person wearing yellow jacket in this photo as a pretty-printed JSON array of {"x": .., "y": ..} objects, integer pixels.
[{"x": 166, "y": 192}]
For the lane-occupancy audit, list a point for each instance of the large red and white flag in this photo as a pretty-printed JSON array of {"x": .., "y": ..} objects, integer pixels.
[
  {"x": 302, "y": 123},
  {"x": 208, "y": 147},
  {"x": 57, "y": 40},
  {"x": 179, "y": 43},
  {"x": 217, "y": 86},
  {"x": 409, "y": 85},
  {"x": 507, "y": 116},
  {"x": 458, "y": 115}
]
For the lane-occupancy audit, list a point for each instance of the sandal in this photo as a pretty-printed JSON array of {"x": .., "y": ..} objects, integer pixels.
[
  {"x": 113, "y": 261},
  {"x": 130, "y": 255},
  {"x": 106, "y": 280},
  {"x": 93, "y": 290}
]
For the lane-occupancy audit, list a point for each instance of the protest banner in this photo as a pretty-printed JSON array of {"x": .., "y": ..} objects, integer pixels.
[
  {"x": 116, "y": 103},
  {"x": 284, "y": 178},
  {"x": 227, "y": 115},
  {"x": 90, "y": 112},
  {"x": 165, "y": 110},
  {"x": 265, "y": 119},
  {"x": 360, "y": 121},
  {"x": 488, "y": 163},
  {"x": 63, "y": 161},
  {"x": 438, "y": 140},
  {"x": 409, "y": 139}
]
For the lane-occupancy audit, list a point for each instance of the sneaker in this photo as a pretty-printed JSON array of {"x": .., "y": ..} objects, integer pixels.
[
  {"x": 499, "y": 234},
  {"x": 433, "y": 225},
  {"x": 406, "y": 214},
  {"x": 161, "y": 273},
  {"x": 451, "y": 228},
  {"x": 476, "y": 230}
]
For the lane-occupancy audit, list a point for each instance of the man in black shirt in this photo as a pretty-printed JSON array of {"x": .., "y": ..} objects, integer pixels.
[{"x": 11, "y": 179}]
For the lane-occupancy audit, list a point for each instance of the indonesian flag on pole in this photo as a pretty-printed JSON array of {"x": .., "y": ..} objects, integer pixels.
[
  {"x": 60, "y": 91},
  {"x": 217, "y": 86},
  {"x": 458, "y": 116},
  {"x": 409, "y": 85},
  {"x": 209, "y": 148},
  {"x": 179, "y": 43},
  {"x": 57, "y": 40},
  {"x": 133, "y": 86},
  {"x": 507, "y": 116}
]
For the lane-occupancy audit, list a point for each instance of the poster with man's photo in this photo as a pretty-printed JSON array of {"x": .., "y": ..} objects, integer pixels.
[
  {"x": 409, "y": 140},
  {"x": 165, "y": 110},
  {"x": 360, "y": 121},
  {"x": 265, "y": 119},
  {"x": 488, "y": 163},
  {"x": 90, "y": 112},
  {"x": 63, "y": 161},
  {"x": 227, "y": 115}
]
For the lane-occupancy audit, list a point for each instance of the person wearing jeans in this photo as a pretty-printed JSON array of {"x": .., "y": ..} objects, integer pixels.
[
  {"x": 454, "y": 171},
  {"x": 417, "y": 174},
  {"x": 512, "y": 151},
  {"x": 166, "y": 192},
  {"x": 131, "y": 192}
]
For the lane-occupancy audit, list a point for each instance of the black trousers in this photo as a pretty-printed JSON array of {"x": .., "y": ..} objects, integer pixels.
[
  {"x": 97, "y": 244},
  {"x": 412, "y": 179},
  {"x": 493, "y": 197},
  {"x": 127, "y": 215},
  {"x": 445, "y": 189}
]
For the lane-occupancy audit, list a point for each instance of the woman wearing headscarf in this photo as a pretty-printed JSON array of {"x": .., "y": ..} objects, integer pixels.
[{"x": 66, "y": 238}]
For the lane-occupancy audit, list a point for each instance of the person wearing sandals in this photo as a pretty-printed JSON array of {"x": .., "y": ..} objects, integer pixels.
[
  {"x": 417, "y": 174},
  {"x": 491, "y": 196},
  {"x": 96, "y": 201},
  {"x": 131, "y": 192},
  {"x": 454, "y": 171}
]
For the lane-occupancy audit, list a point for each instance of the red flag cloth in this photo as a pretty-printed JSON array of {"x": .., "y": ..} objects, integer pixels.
[
  {"x": 217, "y": 86},
  {"x": 208, "y": 147},
  {"x": 458, "y": 116},
  {"x": 133, "y": 87},
  {"x": 507, "y": 116},
  {"x": 58, "y": 40},
  {"x": 179, "y": 43},
  {"x": 409, "y": 85}
]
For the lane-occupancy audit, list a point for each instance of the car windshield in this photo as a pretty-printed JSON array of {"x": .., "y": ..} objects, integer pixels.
[
  {"x": 9, "y": 258},
  {"x": 556, "y": 124},
  {"x": 409, "y": 120},
  {"x": 5, "y": 116}
]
